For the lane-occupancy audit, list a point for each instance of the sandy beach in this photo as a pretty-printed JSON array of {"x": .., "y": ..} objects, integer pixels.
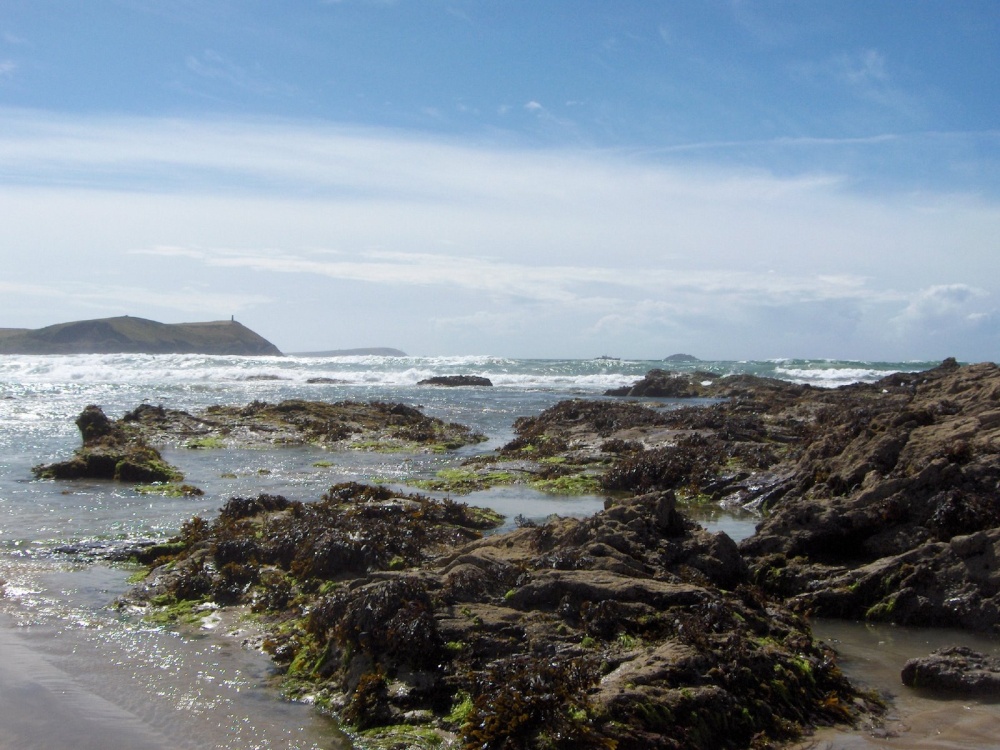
[{"x": 44, "y": 707}]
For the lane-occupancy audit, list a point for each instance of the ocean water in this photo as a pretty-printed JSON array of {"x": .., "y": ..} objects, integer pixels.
[{"x": 76, "y": 670}]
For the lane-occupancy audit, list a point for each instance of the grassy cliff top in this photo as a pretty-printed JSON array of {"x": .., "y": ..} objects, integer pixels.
[{"x": 136, "y": 336}]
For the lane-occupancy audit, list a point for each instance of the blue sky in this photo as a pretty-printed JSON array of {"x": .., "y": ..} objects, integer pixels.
[{"x": 729, "y": 178}]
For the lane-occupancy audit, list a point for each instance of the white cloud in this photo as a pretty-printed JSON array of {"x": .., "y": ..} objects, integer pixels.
[
  {"x": 938, "y": 305},
  {"x": 113, "y": 299},
  {"x": 538, "y": 282},
  {"x": 578, "y": 243},
  {"x": 7, "y": 68},
  {"x": 868, "y": 76}
]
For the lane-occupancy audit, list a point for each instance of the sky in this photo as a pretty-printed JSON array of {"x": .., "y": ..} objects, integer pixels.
[{"x": 733, "y": 179}]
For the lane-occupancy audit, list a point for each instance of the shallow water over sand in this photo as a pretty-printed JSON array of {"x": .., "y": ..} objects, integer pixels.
[
  {"x": 77, "y": 674},
  {"x": 873, "y": 655}
]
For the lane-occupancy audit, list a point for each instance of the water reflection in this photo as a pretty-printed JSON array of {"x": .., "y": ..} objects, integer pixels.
[
  {"x": 78, "y": 674},
  {"x": 873, "y": 655}
]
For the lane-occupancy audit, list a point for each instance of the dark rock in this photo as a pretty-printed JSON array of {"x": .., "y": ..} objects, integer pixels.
[
  {"x": 343, "y": 424},
  {"x": 882, "y": 504},
  {"x": 881, "y": 498},
  {"x": 890, "y": 511},
  {"x": 457, "y": 381},
  {"x": 94, "y": 425},
  {"x": 671, "y": 384},
  {"x": 633, "y": 627},
  {"x": 661, "y": 384},
  {"x": 110, "y": 451},
  {"x": 957, "y": 669}
]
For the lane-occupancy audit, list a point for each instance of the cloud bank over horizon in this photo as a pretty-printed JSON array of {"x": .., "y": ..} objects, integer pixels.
[{"x": 320, "y": 234}]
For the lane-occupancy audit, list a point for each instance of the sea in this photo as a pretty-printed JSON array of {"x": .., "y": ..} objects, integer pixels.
[{"x": 75, "y": 670}]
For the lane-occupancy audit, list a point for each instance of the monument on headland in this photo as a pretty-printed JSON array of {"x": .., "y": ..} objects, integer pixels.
[{"x": 130, "y": 335}]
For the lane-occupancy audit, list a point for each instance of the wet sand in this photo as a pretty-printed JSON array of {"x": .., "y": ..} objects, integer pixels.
[
  {"x": 44, "y": 707},
  {"x": 75, "y": 674},
  {"x": 917, "y": 720}
]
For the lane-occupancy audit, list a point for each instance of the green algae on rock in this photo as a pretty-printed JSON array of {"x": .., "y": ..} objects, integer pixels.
[
  {"x": 110, "y": 452},
  {"x": 630, "y": 629},
  {"x": 168, "y": 489},
  {"x": 348, "y": 425}
]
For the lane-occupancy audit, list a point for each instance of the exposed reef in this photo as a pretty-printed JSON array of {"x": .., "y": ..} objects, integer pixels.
[
  {"x": 123, "y": 449},
  {"x": 341, "y": 425},
  {"x": 881, "y": 500},
  {"x": 110, "y": 452},
  {"x": 889, "y": 509},
  {"x": 632, "y": 629},
  {"x": 635, "y": 627}
]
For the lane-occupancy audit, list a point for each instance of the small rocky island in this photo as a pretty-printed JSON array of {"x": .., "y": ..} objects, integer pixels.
[
  {"x": 634, "y": 628},
  {"x": 129, "y": 335},
  {"x": 122, "y": 449}
]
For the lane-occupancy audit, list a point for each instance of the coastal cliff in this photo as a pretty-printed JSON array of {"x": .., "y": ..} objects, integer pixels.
[{"x": 129, "y": 335}]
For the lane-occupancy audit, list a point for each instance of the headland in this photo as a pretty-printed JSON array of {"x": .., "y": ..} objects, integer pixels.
[{"x": 130, "y": 335}]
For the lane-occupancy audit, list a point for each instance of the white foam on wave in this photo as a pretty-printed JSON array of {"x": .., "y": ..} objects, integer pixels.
[
  {"x": 832, "y": 377},
  {"x": 590, "y": 381},
  {"x": 177, "y": 369},
  {"x": 84, "y": 370}
]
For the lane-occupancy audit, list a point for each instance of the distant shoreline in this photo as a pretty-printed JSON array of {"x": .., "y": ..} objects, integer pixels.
[
  {"x": 130, "y": 335},
  {"x": 374, "y": 351}
]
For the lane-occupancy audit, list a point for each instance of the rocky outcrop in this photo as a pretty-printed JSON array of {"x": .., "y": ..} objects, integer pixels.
[
  {"x": 355, "y": 425},
  {"x": 890, "y": 507},
  {"x": 129, "y": 335},
  {"x": 122, "y": 449},
  {"x": 631, "y": 629},
  {"x": 698, "y": 384},
  {"x": 634, "y": 628},
  {"x": 667, "y": 384},
  {"x": 956, "y": 669},
  {"x": 881, "y": 500},
  {"x": 110, "y": 452},
  {"x": 458, "y": 381}
]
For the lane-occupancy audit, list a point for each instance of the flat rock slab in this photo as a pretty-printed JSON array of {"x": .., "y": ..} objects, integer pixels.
[
  {"x": 956, "y": 669},
  {"x": 345, "y": 424}
]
